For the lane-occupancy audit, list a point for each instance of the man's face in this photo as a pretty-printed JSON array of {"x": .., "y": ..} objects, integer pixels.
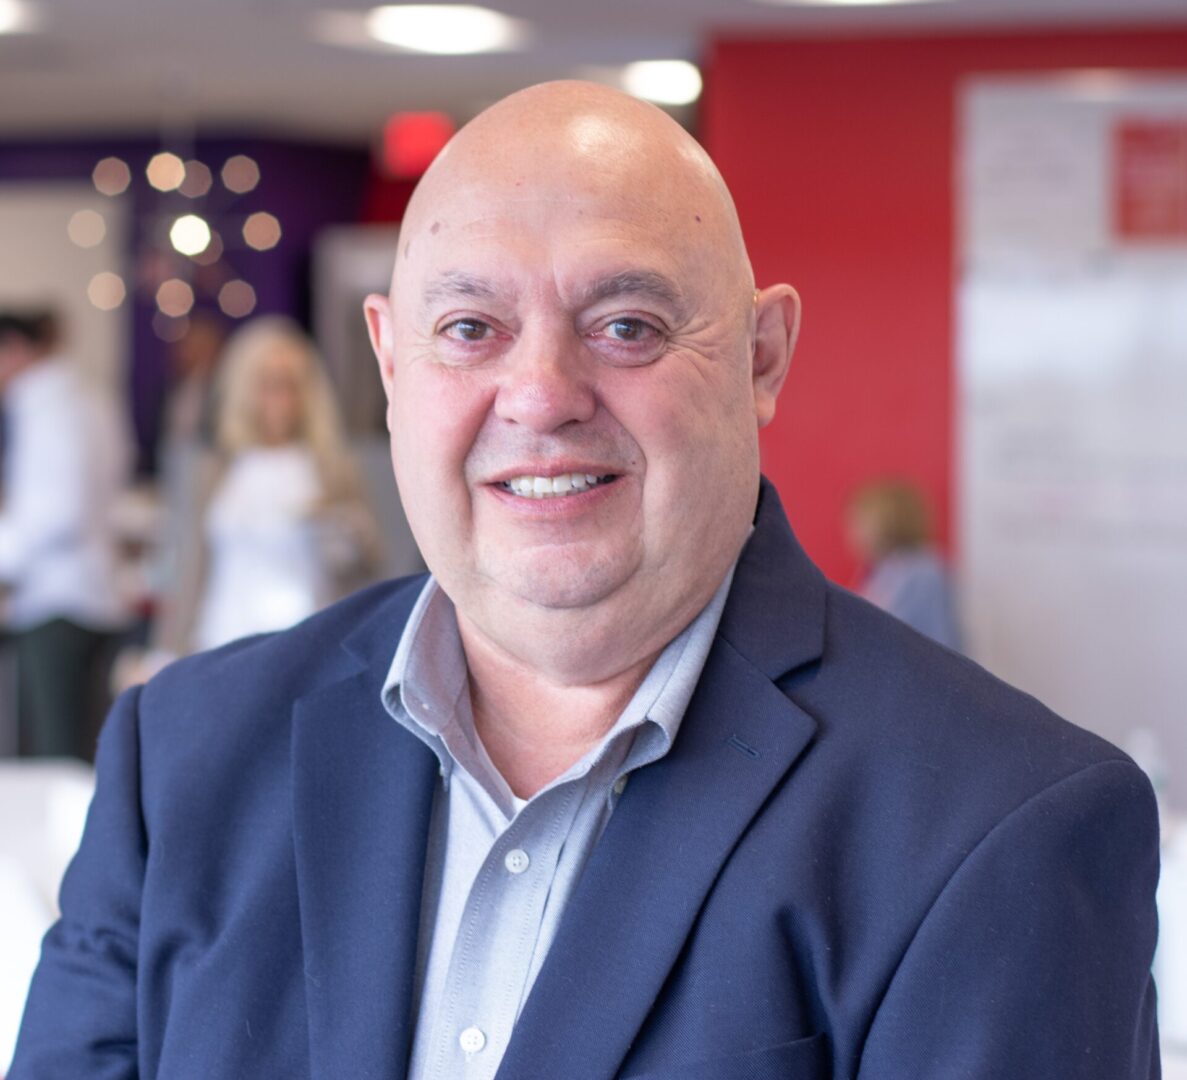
[{"x": 570, "y": 400}]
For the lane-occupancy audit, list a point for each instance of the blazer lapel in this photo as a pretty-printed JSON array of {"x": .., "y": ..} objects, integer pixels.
[
  {"x": 678, "y": 822},
  {"x": 362, "y": 799}
]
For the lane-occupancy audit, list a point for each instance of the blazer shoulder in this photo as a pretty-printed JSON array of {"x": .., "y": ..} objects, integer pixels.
[
  {"x": 934, "y": 720},
  {"x": 206, "y": 705}
]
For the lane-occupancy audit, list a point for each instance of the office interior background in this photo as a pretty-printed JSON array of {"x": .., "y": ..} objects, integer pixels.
[{"x": 983, "y": 204}]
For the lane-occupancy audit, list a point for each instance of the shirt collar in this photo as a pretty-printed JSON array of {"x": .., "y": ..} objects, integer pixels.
[{"x": 427, "y": 688}]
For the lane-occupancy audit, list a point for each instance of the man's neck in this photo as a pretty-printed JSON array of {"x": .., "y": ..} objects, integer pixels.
[{"x": 533, "y": 728}]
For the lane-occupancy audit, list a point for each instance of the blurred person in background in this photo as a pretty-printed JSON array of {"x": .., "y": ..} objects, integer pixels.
[
  {"x": 182, "y": 457},
  {"x": 283, "y": 527},
  {"x": 66, "y": 460},
  {"x": 889, "y": 529},
  {"x": 193, "y": 361}
]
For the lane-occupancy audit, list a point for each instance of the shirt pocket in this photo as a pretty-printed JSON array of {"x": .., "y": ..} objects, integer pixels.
[{"x": 801, "y": 1059}]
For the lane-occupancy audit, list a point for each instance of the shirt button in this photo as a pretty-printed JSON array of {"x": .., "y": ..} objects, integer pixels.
[
  {"x": 516, "y": 861},
  {"x": 471, "y": 1040},
  {"x": 620, "y": 785}
]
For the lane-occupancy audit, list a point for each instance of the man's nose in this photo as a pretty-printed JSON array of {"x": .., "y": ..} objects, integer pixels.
[{"x": 546, "y": 382}]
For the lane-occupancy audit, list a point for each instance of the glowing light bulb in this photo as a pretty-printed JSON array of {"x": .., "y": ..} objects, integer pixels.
[
  {"x": 106, "y": 291},
  {"x": 165, "y": 171},
  {"x": 111, "y": 176},
  {"x": 86, "y": 228},
  {"x": 261, "y": 231},
  {"x": 190, "y": 234},
  {"x": 237, "y": 299},
  {"x": 240, "y": 174},
  {"x": 175, "y": 298}
]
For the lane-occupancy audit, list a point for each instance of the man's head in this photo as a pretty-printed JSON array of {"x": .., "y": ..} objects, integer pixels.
[
  {"x": 572, "y": 309},
  {"x": 25, "y": 338}
]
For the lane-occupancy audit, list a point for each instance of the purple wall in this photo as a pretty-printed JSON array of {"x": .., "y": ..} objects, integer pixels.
[{"x": 306, "y": 185}]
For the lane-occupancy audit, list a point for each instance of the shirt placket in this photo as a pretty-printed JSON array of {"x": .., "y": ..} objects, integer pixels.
[{"x": 496, "y": 940}]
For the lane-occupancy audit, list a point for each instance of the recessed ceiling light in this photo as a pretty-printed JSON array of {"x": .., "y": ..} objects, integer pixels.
[
  {"x": 15, "y": 16},
  {"x": 666, "y": 82},
  {"x": 846, "y": 3},
  {"x": 445, "y": 29}
]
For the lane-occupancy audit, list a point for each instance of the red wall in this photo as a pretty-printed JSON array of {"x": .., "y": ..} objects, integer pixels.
[{"x": 840, "y": 154}]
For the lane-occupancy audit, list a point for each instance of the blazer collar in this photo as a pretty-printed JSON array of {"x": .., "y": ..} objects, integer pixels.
[
  {"x": 776, "y": 609},
  {"x": 373, "y": 641},
  {"x": 362, "y": 803}
]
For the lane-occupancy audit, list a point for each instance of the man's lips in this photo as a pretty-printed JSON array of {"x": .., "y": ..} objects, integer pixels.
[{"x": 552, "y": 485}]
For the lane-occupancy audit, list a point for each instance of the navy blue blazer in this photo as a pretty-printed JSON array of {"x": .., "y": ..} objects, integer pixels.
[{"x": 863, "y": 858}]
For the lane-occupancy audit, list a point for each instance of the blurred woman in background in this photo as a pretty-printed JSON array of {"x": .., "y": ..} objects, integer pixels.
[
  {"x": 889, "y": 529},
  {"x": 284, "y": 528}
]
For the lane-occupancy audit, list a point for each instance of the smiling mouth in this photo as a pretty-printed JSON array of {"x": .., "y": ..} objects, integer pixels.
[{"x": 555, "y": 487}]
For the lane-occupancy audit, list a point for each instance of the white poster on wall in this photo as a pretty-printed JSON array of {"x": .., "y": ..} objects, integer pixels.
[{"x": 1072, "y": 358}]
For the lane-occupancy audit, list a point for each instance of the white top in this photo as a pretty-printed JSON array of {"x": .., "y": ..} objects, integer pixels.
[
  {"x": 66, "y": 460},
  {"x": 264, "y": 566}
]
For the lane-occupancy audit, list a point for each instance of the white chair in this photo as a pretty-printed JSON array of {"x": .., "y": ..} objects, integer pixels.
[{"x": 43, "y": 805}]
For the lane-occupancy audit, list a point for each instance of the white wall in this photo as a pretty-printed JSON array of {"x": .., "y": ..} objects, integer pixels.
[
  {"x": 1073, "y": 379},
  {"x": 39, "y": 264}
]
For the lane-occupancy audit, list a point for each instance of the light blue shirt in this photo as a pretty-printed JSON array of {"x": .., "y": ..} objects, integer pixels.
[{"x": 499, "y": 869}]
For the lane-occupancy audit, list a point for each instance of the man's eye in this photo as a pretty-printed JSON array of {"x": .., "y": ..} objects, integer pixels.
[
  {"x": 629, "y": 330},
  {"x": 467, "y": 330}
]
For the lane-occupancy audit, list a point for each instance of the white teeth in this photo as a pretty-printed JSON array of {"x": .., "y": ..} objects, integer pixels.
[{"x": 549, "y": 487}]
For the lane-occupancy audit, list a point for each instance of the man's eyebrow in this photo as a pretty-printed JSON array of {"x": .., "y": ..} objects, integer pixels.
[
  {"x": 454, "y": 283},
  {"x": 633, "y": 282}
]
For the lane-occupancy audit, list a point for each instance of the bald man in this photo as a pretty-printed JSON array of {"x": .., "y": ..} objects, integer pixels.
[{"x": 624, "y": 788}]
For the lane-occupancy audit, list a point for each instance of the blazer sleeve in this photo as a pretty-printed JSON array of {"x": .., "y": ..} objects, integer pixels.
[
  {"x": 1034, "y": 961},
  {"x": 80, "y": 1016}
]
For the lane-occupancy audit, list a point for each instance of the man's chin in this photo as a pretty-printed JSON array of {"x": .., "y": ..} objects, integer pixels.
[
  {"x": 559, "y": 594},
  {"x": 559, "y": 577}
]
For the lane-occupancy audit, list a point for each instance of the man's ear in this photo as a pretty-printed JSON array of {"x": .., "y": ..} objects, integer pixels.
[
  {"x": 378, "y": 312},
  {"x": 776, "y": 327}
]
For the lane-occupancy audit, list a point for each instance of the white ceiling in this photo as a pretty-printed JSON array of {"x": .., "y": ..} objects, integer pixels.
[{"x": 144, "y": 65}]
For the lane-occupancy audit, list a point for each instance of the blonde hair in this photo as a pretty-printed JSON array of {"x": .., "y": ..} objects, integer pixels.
[
  {"x": 318, "y": 425},
  {"x": 895, "y": 514}
]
